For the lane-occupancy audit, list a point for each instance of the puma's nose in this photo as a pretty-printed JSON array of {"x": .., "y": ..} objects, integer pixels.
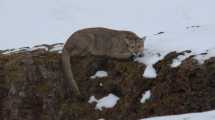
[{"x": 139, "y": 54}]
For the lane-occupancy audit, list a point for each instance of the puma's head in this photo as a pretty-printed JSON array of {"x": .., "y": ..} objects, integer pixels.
[{"x": 134, "y": 43}]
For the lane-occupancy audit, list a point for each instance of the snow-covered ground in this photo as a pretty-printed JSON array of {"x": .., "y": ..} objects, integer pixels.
[
  {"x": 198, "y": 39},
  {"x": 32, "y": 22},
  {"x": 191, "y": 116},
  {"x": 58, "y": 47}
]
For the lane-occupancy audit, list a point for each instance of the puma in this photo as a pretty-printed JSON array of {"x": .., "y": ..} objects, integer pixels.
[{"x": 99, "y": 42}]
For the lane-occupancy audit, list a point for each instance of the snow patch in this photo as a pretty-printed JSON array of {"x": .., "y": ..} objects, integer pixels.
[
  {"x": 92, "y": 99},
  {"x": 145, "y": 96},
  {"x": 202, "y": 57},
  {"x": 150, "y": 72},
  {"x": 105, "y": 102},
  {"x": 11, "y": 51},
  {"x": 39, "y": 47},
  {"x": 210, "y": 115},
  {"x": 58, "y": 48},
  {"x": 149, "y": 59},
  {"x": 50, "y": 48},
  {"x": 99, "y": 74},
  {"x": 101, "y": 119},
  {"x": 177, "y": 61}
]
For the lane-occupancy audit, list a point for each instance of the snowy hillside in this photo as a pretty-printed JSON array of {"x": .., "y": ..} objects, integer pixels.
[
  {"x": 30, "y": 22},
  {"x": 198, "y": 39},
  {"x": 168, "y": 25}
]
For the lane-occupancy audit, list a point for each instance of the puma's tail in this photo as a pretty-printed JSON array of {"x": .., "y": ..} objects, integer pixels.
[{"x": 68, "y": 72}]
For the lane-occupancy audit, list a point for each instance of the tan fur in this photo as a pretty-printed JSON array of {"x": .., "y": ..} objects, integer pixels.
[{"x": 99, "y": 42}]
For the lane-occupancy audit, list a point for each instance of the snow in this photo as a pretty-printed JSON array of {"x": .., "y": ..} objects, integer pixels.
[
  {"x": 177, "y": 61},
  {"x": 145, "y": 96},
  {"x": 194, "y": 39},
  {"x": 11, "y": 51},
  {"x": 39, "y": 47},
  {"x": 99, "y": 74},
  {"x": 58, "y": 48},
  {"x": 202, "y": 57},
  {"x": 210, "y": 115},
  {"x": 92, "y": 99},
  {"x": 197, "y": 39},
  {"x": 30, "y": 22},
  {"x": 150, "y": 72},
  {"x": 149, "y": 59},
  {"x": 54, "y": 48},
  {"x": 106, "y": 102},
  {"x": 101, "y": 119}
]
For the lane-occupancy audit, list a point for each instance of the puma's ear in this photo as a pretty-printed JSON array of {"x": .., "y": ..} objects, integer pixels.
[{"x": 143, "y": 38}]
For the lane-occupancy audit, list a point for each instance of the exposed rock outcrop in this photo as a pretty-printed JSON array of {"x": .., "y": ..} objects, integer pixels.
[{"x": 32, "y": 87}]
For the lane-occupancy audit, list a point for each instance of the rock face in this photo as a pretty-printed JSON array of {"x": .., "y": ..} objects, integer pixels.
[
  {"x": 32, "y": 83},
  {"x": 32, "y": 87}
]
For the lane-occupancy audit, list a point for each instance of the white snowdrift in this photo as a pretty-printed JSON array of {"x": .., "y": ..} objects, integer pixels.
[
  {"x": 106, "y": 102},
  {"x": 210, "y": 115},
  {"x": 99, "y": 74}
]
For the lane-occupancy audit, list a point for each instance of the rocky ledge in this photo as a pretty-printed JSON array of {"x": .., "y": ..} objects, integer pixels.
[{"x": 32, "y": 87}]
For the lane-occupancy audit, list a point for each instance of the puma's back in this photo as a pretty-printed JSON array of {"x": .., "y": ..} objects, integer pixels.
[{"x": 103, "y": 41}]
